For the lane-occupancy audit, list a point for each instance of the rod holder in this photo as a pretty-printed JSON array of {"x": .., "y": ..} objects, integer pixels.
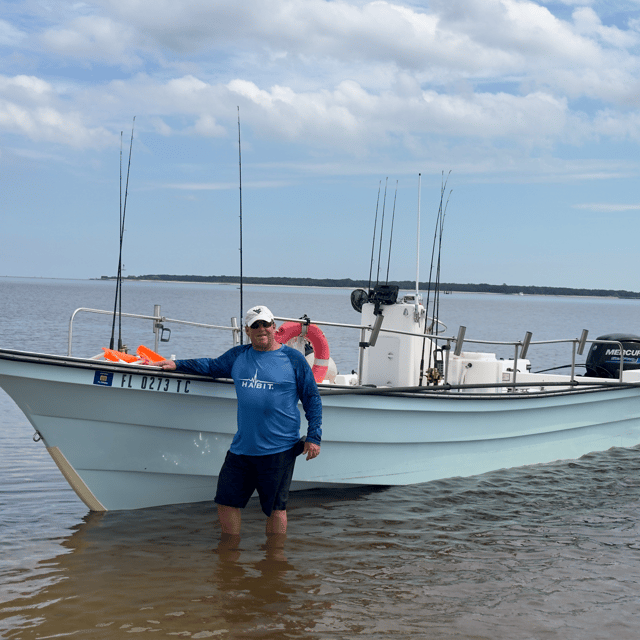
[
  {"x": 459, "y": 340},
  {"x": 236, "y": 331},
  {"x": 157, "y": 326},
  {"x": 376, "y": 330},
  {"x": 582, "y": 342},
  {"x": 525, "y": 344}
]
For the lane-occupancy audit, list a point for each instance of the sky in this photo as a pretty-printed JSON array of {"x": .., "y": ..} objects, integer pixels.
[{"x": 522, "y": 116}]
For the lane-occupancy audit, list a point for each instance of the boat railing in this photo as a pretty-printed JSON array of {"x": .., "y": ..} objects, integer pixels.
[
  {"x": 159, "y": 321},
  {"x": 451, "y": 344},
  {"x": 521, "y": 348},
  {"x": 159, "y": 329}
]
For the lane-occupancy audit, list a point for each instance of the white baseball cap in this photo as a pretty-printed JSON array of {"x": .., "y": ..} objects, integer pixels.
[{"x": 258, "y": 313}]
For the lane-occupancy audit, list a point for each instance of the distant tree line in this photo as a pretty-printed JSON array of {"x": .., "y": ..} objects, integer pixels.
[{"x": 403, "y": 284}]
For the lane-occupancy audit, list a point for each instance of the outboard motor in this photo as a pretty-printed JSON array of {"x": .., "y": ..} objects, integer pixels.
[{"x": 603, "y": 360}]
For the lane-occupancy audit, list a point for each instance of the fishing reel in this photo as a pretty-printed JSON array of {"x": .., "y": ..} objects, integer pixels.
[
  {"x": 381, "y": 294},
  {"x": 436, "y": 373},
  {"x": 359, "y": 297}
]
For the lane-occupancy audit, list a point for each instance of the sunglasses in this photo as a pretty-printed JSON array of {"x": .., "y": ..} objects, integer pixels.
[{"x": 260, "y": 324}]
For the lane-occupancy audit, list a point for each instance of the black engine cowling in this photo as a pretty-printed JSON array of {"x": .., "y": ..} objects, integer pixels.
[{"x": 603, "y": 360}]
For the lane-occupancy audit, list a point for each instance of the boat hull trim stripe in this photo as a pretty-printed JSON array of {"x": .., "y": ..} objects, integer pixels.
[{"x": 75, "y": 481}]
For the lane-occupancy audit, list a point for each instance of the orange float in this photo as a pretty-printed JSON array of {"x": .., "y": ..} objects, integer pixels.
[
  {"x": 152, "y": 355},
  {"x": 117, "y": 356},
  {"x": 145, "y": 356}
]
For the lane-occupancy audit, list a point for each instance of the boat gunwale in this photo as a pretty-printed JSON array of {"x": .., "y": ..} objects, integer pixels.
[
  {"x": 450, "y": 392},
  {"x": 89, "y": 363}
]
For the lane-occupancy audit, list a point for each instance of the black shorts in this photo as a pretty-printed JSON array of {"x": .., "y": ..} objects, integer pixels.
[{"x": 270, "y": 475}]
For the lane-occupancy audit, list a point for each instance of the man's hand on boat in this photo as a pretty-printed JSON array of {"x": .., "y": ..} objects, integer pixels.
[
  {"x": 311, "y": 450},
  {"x": 167, "y": 365}
]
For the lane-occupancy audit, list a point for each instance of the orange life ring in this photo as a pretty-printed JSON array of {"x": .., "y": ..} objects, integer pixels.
[{"x": 318, "y": 341}]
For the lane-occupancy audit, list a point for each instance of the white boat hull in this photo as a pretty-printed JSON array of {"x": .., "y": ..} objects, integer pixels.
[{"x": 126, "y": 438}]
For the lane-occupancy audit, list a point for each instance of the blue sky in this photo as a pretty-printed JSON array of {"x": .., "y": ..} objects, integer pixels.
[{"x": 533, "y": 108}]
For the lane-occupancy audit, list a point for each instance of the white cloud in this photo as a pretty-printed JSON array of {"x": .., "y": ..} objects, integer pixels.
[
  {"x": 28, "y": 107},
  {"x": 311, "y": 29},
  {"x": 50, "y": 125},
  {"x": 607, "y": 207},
  {"x": 28, "y": 88},
  {"x": 350, "y": 74},
  {"x": 518, "y": 42},
  {"x": 10, "y": 36},
  {"x": 617, "y": 125},
  {"x": 570, "y": 3},
  {"x": 96, "y": 39},
  {"x": 350, "y": 114},
  {"x": 206, "y": 125},
  {"x": 346, "y": 118},
  {"x": 588, "y": 23}
]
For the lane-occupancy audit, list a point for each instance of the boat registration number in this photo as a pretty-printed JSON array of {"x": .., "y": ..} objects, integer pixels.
[{"x": 146, "y": 383}]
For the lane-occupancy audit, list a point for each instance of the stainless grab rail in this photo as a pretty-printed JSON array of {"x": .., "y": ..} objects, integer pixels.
[{"x": 521, "y": 347}]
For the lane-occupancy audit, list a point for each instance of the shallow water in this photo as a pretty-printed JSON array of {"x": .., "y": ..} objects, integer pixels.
[
  {"x": 548, "y": 551},
  {"x": 543, "y": 552}
]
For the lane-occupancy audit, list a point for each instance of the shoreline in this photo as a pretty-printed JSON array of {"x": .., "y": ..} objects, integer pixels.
[{"x": 446, "y": 291}]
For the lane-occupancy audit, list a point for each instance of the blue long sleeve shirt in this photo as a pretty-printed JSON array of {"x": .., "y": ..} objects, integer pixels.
[{"x": 268, "y": 386}]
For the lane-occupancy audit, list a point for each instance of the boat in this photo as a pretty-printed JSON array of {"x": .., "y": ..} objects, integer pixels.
[{"x": 419, "y": 406}]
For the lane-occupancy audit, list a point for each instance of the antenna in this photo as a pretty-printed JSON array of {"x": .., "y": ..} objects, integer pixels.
[{"x": 241, "y": 281}]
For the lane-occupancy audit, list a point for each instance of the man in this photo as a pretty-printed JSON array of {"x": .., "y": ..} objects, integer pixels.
[{"x": 270, "y": 379}]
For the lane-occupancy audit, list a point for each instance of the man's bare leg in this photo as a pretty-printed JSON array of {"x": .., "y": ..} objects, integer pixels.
[
  {"x": 277, "y": 522},
  {"x": 230, "y": 519}
]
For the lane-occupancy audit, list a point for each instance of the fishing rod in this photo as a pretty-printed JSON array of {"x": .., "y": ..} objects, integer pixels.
[
  {"x": 384, "y": 206},
  {"x": 436, "y": 234},
  {"x": 115, "y": 302},
  {"x": 433, "y": 251},
  {"x": 418, "y": 247},
  {"x": 373, "y": 244},
  {"x": 426, "y": 315},
  {"x": 436, "y": 301},
  {"x": 240, "y": 176},
  {"x": 124, "y": 214},
  {"x": 117, "y": 308},
  {"x": 437, "y": 240},
  {"x": 393, "y": 217}
]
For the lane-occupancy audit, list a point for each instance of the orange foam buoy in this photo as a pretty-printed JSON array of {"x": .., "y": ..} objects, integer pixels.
[
  {"x": 117, "y": 356},
  {"x": 318, "y": 341},
  {"x": 147, "y": 353}
]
